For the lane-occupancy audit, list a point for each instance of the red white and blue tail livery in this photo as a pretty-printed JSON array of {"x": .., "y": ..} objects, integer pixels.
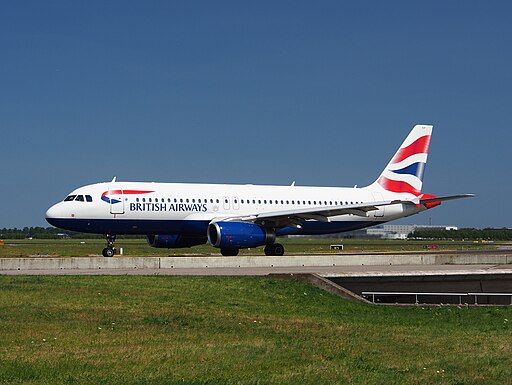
[
  {"x": 404, "y": 173},
  {"x": 233, "y": 217}
]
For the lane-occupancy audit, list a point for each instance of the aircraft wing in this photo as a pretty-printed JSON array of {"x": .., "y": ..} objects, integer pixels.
[{"x": 294, "y": 218}]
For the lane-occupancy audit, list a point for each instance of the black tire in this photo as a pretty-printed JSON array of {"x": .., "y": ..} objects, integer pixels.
[
  {"x": 229, "y": 252},
  {"x": 275, "y": 249},
  {"x": 278, "y": 249},
  {"x": 108, "y": 252}
]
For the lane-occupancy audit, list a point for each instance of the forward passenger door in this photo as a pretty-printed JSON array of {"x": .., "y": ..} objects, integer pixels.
[{"x": 116, "y": 197}]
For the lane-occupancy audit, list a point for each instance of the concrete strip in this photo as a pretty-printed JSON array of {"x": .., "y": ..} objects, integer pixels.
[
  {"x": 326, "y": 271},
  {"x": 291, "y": 261},
  {"x": 79, "y": 263},
  {"x": 199, "y": 262},
  {"x": 472, "y": 259}
]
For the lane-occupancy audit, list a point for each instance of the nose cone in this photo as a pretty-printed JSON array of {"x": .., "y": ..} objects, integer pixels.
[{"x": 53, "y": 213}]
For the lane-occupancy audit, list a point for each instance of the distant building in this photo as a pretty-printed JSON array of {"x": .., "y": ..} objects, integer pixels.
[
  {"x": 403, "y": 231},
  {"x": 382, "y": 231}
]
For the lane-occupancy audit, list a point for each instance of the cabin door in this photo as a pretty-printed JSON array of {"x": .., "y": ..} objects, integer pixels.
[{"x": 116, "y": 198}]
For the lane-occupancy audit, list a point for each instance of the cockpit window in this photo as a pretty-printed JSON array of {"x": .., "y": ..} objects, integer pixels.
[{"x": 78, "y": 198}]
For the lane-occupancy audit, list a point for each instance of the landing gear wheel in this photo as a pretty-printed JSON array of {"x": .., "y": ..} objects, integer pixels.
[
  {"x": 108, "y": 252},
  {"x": 229, "y": 252},
  {"x": 276, "y": 249}
]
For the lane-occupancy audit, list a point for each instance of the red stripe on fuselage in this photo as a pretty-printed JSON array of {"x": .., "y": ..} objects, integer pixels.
[
  {"x": 420, "y": 146},
  {"x": 126, "y": 192}
]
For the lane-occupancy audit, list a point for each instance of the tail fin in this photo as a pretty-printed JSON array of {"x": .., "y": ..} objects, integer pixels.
[{"x": 404, "y": 173}]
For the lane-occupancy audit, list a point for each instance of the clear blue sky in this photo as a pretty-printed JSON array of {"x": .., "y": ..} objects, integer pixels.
[{"x": 321, "y": 92}]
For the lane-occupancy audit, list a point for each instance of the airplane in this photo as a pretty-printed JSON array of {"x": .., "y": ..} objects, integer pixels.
[{"x": 233, "y": 217}]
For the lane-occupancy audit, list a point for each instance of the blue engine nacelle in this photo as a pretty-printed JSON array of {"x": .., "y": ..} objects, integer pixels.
[
  {"x": 174, "y": 241},
  {"x": 235, "y": 235}
]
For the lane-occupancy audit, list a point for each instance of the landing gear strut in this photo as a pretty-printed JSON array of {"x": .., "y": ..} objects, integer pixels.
[
  {"x": 275, "y": 249},
  {"x": 110, "y": 250}
]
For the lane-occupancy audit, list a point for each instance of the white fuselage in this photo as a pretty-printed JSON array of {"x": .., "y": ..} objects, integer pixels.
[{"x": 154, "y": 208}]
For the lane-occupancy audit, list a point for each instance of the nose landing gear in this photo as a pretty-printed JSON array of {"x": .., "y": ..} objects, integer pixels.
[{"x": 110, "y": 250}]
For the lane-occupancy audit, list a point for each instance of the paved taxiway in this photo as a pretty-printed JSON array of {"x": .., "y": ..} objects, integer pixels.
[{"x": 396, "y": 270}]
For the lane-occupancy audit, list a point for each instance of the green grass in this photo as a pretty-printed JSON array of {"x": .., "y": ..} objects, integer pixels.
[
  {"x": 139, "y": 247},
  {"x": 214, "y": 330}
]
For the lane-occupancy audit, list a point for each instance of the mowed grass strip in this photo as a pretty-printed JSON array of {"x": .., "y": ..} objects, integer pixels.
[
  {"x": 216, "y": 330},
  {"x": 293, "y": 246}
]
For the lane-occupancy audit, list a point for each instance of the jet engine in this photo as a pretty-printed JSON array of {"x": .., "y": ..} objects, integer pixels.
[{"x": 239, "y": 235}]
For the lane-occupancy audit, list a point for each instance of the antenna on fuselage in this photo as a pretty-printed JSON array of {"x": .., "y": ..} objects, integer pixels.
[
  {"x": 293, "y": 184},
  {"x": 113, "y": 179}
]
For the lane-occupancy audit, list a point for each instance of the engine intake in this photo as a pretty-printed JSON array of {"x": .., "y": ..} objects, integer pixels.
[
  {"x": 227, "y": 235},
  {"x": 173, "y": 241}
]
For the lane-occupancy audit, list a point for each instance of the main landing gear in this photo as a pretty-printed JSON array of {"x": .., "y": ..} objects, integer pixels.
[
  {"x": 229, "y": 252},
  {"x": 110, "y": 250},
  {"x": 275, "y": 249}
]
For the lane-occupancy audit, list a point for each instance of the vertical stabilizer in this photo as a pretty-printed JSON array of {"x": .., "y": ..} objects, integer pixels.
[{"x": 404, "y": 173}]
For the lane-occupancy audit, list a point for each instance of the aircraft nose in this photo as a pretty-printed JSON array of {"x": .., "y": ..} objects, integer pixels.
[{"x": 53, "y": 213}]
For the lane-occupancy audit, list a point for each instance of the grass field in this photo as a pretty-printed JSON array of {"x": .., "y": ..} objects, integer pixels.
[
  {"x": 139, "y": 247},
  {"x": 177, "y": 330}
]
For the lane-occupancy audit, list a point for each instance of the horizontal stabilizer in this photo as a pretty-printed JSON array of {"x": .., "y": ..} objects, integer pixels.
[{"x": 446, "y": 198}]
